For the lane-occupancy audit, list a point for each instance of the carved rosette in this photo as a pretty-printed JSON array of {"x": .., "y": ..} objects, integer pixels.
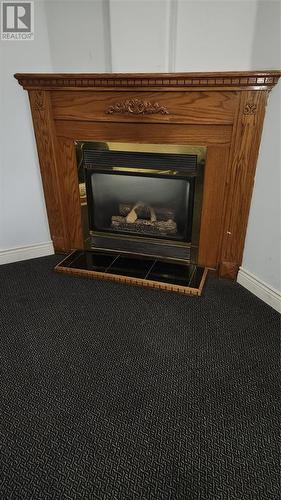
[
  {"x": 250, "y": 109},
  {"x": 137, "y": 107}
]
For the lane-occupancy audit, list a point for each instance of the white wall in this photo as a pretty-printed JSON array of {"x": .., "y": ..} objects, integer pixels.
[
  {"x": 24, "y": 220},
  {"x": 214, "y": 35},
  {"x": 141, "y": 35},
  {"x": 262, "y": 246},
  {"x": 78, "y": 35}
]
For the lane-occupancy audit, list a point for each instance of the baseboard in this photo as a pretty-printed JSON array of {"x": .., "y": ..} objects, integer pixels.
[
  {"x": 23, "y": 253},
  {"x": 265, "y": 292}
]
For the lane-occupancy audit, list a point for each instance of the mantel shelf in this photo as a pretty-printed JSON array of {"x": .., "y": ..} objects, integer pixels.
[{"x": 234, "y": 80}]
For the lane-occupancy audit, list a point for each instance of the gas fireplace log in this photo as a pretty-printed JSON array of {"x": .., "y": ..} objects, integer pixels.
[
  {"x": 162, "y": 213},
  {"x": 160, "y": 228}
]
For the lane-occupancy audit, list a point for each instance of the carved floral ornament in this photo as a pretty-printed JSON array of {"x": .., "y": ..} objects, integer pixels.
[
  {"x": 250, "y": 109},
  {"x": 137, "y": 106}
]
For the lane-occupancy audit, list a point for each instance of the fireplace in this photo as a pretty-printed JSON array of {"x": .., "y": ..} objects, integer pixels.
[
  {"x": 221, "y": 111},
  {"x": 141, "y": 199}
]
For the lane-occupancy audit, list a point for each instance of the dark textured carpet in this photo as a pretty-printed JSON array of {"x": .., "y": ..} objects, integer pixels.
[{"x": 115, "y": 392}]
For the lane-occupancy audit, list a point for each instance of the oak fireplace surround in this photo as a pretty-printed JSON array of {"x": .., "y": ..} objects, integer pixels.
[{"x": 223, "y": 112}]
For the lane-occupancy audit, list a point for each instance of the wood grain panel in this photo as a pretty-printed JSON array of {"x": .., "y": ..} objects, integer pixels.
[
  {"x": 144, "y": 132},
  {"x": 177, "y": 107},
  {"x": 240, "y": 181},
  {"x": 68, "y": 180},
  {"x": 47, "y": 151},
  {"x": 213, "y": 203}
]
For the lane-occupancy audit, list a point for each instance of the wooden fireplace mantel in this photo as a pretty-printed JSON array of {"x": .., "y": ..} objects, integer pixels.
[
  {"x": 235, "y": 80},
  {"x": 223, "y": 111}
]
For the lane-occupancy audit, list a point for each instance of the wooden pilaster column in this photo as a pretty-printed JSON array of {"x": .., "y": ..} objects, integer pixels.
[
  {"x": 46, "y": 146},
  {"x": 240, "y": 179}
]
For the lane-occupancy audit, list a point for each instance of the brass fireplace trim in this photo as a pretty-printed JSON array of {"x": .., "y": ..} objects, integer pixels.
[{"x": 199, "y": 151}]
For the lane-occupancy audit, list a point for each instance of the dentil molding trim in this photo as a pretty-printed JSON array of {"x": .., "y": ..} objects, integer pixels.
[{"x": 240, "y": 80}]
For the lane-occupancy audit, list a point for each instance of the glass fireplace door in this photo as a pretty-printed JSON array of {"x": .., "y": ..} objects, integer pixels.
[{"x": 163, "y": 205}]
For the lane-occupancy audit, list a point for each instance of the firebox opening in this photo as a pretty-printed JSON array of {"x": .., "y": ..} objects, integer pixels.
[
  {"x": 163, "y": 206},
  {"x": 141, "y": 199}
]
